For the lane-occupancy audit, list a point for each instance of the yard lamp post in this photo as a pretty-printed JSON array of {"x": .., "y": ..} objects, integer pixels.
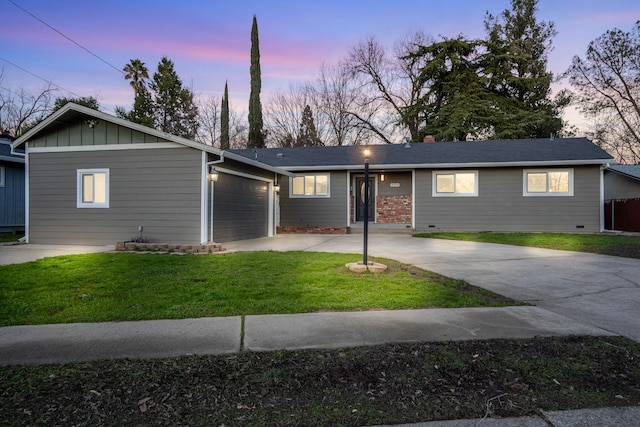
[{"x": 366, "y": 207}]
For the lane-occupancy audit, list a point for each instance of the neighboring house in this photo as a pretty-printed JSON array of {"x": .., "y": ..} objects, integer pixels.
[
  {"x": 622, "y": 197},
  {"x": 511, "y": 185},
  {"x": 11, "y": 187},
  {"x": 93, "y": 178}
]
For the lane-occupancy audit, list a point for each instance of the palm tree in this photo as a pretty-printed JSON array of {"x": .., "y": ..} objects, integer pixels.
[{"x": 136, "y": 71}]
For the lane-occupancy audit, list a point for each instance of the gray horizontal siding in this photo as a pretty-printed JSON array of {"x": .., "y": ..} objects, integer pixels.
[
  {"x": 500, "y": 205},
  {"x": 157, "y": 188},
  {"x": 316, "y": 212},
  {"x": 12, "y": 196},
  {"x": 402, "y": 179}
]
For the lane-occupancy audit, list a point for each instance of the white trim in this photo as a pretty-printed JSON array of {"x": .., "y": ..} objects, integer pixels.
[
  {"x": 79, "y": 189},
  {"x": 2, "y": 176},
  {"x": 106, "y": 147},
  {"x": 413, "y": 199},
  {"x": 26, "y": 198},
  {"x": 271, "y": 208},
  {"x": 526, "y": 193},
  {"x": 602, "y": 199},
  {"x": 242, "y": 174},
  {"x": 204, "y": 202},
  {"x": 312, "y": 196},
  {"x": 434, "y": 183},
  {"x": 12, "y": 159},
  {"x": 349, "y": 207},
  {"x": 540, "y": 163}
]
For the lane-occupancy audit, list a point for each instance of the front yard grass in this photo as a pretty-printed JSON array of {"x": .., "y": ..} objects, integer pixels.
[
  {"x": 123, "y": 286},
  {"x": 606, "y": 244}
]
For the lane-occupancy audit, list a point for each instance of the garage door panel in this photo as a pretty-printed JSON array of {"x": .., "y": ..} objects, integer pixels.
[{"x": 241, "y": 208}]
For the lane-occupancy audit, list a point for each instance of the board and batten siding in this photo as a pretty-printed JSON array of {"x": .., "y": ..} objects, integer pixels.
[
  {"x": 501, "y": 206},
  {"x": 159, "y": 189},
  {"x": 315, "y": 211}
]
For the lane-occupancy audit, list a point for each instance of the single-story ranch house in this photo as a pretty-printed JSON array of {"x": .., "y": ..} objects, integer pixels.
[{"x": 93, "y": 178}]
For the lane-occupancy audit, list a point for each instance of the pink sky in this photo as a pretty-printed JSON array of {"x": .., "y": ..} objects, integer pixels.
[{"x": 209, "y": 40}]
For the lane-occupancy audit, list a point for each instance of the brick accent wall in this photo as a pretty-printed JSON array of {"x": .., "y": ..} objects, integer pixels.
[
  {"x": 302, "y": 229},
  {"x": 393, "y": 209}
]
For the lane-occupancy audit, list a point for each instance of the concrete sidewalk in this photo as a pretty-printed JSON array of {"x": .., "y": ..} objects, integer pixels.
[{"x": 79, "y": 342}]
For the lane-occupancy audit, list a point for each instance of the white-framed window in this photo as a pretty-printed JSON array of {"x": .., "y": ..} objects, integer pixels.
[
  {"x": 455, "y": 183},
  {"x": 309, "y": 185},
  {"x": 547, "y": 182},
  {"x": 2, "y": 176},
  {"x": 93, "y": 188}
]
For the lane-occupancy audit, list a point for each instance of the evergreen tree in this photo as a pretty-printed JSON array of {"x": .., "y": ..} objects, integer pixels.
[
  {"x": 308, "y": 135},
  {"x": 174, "y": 109},
  {"x": 256, "y": 135},
  {"x": 224, "y": 119},
  {"x": 86, "y": 101}
]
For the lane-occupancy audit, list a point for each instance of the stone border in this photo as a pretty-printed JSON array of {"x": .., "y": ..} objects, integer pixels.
[
  {"x": 168, "y": 247},
  {"x": 359, "y": 267}
]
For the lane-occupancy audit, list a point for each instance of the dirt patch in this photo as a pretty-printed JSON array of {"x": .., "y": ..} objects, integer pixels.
[{"x": 362, "y": 386}]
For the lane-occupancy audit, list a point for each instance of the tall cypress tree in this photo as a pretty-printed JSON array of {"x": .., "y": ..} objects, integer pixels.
[
  {"x": 256, "y": 135},
  {"x": 224, "y": 119}
]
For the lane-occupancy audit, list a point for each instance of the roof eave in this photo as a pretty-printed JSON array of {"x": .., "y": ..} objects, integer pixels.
[
  {"x": 12, "y": 159},
  {"x": 248, "y": 161},
  {"x": 451, "y": 165}
]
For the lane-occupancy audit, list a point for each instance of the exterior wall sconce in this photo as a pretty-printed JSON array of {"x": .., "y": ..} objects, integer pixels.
[
  {"x": 382, "y": 177},
  {"x": 213, "y": 174},
  {"x": 276, "y": 187}
]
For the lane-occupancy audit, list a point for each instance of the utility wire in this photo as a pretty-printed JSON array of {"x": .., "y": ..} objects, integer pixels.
[
  {"x": 38, "y": 77},
  {"x": 66, "y": 37}
]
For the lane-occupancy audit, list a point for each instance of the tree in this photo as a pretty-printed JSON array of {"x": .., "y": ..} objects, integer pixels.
[
  {"x": 208, "y": 119},
  {"x": 86, "y": 101},
  {"x": 283, "y": 114},
  {"x": 391, "y": 82},
  {"x": 456, "y": 105},
  {"x": 515, "y": 67},
  {"x": 224, "y": 119},
  {"x": 137, "y": 72},
  {"x": 256, "y": 134},
  {"x": 20, "y": 109},
  {"x": 173, "y": 106},
  {"x": 606, "y": 88},
  {"x": 307, "y": 135}
]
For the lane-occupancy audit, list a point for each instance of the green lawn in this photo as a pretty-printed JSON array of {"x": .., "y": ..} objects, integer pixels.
[
  {"x": 125, "y": 286},
  {"x": 618, "y": 245},
  {"x": 9, "y": 237}
]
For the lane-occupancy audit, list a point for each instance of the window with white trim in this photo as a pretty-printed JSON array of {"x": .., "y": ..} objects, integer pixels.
[
  {"x": 93, "y": 188},
  {"x": 455, "y": 183},
  {"x": 2, "y": 176},
  {"x": 316, "y": 185},
  {"x": 548, "y": 182}
]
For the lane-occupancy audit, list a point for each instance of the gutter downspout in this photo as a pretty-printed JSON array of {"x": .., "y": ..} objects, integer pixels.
[{"x": 208, "y": 165}]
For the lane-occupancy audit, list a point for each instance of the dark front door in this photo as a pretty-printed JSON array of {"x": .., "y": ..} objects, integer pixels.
[{"x": 360, "y": 200}]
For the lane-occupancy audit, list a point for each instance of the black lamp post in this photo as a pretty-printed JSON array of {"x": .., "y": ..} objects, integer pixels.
[{"x": 366, "y": 206}]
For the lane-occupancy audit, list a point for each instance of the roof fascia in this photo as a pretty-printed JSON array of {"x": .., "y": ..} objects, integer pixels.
[
  {"x": 12, "y": 159},
  {"x": 247, "y": 161},
  {"x": 452, "y": 165},
  {"x": 610, "y": 169},
  {"x": 112, "y": 119}
]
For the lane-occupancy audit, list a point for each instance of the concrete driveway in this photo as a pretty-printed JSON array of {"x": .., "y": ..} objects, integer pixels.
[
  {"x": 597, "y": 290},
  {"x": 17, "y": 254}
]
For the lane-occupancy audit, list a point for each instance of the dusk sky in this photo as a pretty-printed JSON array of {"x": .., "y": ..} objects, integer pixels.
[{"x": 209, "y": 40}]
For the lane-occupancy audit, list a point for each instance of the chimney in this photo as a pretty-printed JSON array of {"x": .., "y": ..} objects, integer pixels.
[{"x": 429, "y": 138}]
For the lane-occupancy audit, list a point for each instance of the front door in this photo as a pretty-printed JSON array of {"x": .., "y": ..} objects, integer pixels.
[{"x": 359, "y": 196}]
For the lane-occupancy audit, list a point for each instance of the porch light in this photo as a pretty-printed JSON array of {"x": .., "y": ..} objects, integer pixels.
[
  {"x": 276, "y": 187},
  {"x": 213, "y": 174},
  {"x": 382, "y": 177}
]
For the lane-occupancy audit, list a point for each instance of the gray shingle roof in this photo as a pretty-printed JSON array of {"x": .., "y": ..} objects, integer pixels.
[
  {"x": 437, "y": 154},
  {"x": 632, "y": 171}
]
